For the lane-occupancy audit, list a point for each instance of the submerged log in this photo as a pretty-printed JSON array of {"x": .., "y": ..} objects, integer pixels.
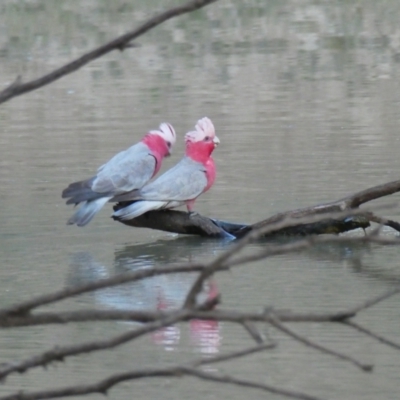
[{"x": 295, "y": 221}]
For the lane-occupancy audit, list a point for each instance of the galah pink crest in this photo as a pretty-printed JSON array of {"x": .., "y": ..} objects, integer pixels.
[
  {"x": 127, "y": 171},
  {"x": 183, "y": 183}
]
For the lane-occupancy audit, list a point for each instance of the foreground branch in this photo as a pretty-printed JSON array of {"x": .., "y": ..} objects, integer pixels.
[
  {"x": 278, "y": 325},
  {"x": 105, "y": 385},
  {"x": 120, "y": 43},
  {"x": 157, "y": 320},
  {"x": 25, "y": 307}
]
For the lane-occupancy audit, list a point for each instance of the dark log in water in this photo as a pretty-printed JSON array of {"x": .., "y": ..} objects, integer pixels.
[{"x": 299, "y": 222}]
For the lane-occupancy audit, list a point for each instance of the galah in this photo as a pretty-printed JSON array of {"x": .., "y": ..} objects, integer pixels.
[
  {"x": 127, "y": 171},
  {"x": 183, "y": 183}
]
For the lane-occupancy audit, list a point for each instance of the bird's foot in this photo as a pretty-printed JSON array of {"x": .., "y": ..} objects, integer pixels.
[{"x": 193, "y": 214}]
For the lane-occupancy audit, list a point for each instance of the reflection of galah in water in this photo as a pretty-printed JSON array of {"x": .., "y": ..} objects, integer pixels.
[
  {"x": 128, "y": 170},
  {"x": 206, "y": 333},
  {"x": 169, "y": 335},
  {"x": 182, "y": 184}
]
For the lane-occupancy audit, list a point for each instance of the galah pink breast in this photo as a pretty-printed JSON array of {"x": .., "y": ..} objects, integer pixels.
[
  {"x": 182, "y": 184},
  {"x": 127, "y": 171}
]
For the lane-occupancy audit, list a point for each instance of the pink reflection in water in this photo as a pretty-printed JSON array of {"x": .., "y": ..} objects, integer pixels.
[{"x": 204, "y": 334}]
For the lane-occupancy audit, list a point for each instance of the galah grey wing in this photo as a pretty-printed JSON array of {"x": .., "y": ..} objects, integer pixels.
[
  {"x": 126, "y": 171},
  {"x": 186, "y": 181}
]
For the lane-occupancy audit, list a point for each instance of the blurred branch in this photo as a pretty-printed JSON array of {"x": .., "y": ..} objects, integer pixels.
[
  {"x": 274, "y": 321},
  {"x": 220, "y": 263},
  {"x": 59, "y": 353},
  {"x": 21, "y": 315},
  {"x": 26, "y": 306},
  {"x": 120, "y": 43},
  {"x": 245, "y": 383},
  {"x": 368, "y": 332},
  {"x": 225, "y": 259},
  {"x": 105, "y": 385},
  {"x": 205, "y": 312}
]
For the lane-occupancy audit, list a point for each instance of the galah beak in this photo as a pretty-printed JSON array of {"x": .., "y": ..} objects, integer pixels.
[
  {"x": 169, "y": 149},
  {"x": 216, "y": 141}
]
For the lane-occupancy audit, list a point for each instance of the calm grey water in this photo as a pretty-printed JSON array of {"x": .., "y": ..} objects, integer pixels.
[{"x": 305, "y": 99}]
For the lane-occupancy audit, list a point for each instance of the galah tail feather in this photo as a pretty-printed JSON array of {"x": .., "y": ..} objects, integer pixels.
[
  {"x": 126, "y": 172},
  {"x": 183, "y": 183}
]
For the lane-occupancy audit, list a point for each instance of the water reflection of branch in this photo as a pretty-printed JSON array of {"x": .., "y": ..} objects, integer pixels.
[{"x": 120, "y": 43}]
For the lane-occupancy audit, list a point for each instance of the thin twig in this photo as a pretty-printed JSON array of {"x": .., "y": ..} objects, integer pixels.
[
  {"x": 235, "y": 354},
  {"x": 252, "y": 330},
  {"x": 245, "y": 383},
  {"x": 371, "y": 334},
  {"x": 372, "y": 302},
  {"x": 278, "y": 325}
]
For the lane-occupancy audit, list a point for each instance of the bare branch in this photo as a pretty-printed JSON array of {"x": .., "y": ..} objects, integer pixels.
[
  {"x": 23, "y": 308},
  {"x": 245, "y": 383},
  {"x": 372, "y": 302},
  {"x": 26, "y": 306},
  {"x": 278, "y": 325},
  {"x": 373, "y": 193},
  {"x": 224, "y": 260},
  {"x": 273, "y": 250},
  {"x": 59, "y": 353},
  {"x": 372, "y": 334},
  {"x": 176, "y": 371},
  {"x": 47, "y": 318},
  {"x": 252, "y": 330},
  {"x": 121, "y": 42},
  {"x": 221, "y": 260},
  {"x": 348, "y": 203},
  {"x": 235, "y": 354},
  {"x": 105, "y": 385}
]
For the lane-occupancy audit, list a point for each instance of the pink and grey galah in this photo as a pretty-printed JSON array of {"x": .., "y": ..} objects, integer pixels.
[
  {"x": 127, "y": 171},
  {"x": 182, "y": 184}
]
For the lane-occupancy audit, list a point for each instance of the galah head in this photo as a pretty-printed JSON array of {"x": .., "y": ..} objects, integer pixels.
[
  {"x": 167, "y": 133},
  {"x": 203, "y": 139}
]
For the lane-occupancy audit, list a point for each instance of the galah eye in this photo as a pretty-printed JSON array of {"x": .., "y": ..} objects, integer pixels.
[
  {"x": 207, "y": 138},
  {"x": 169, "y": 144}
]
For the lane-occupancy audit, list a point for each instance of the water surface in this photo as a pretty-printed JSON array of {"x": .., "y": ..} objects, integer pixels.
[{"x": 305, "y": 98}]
